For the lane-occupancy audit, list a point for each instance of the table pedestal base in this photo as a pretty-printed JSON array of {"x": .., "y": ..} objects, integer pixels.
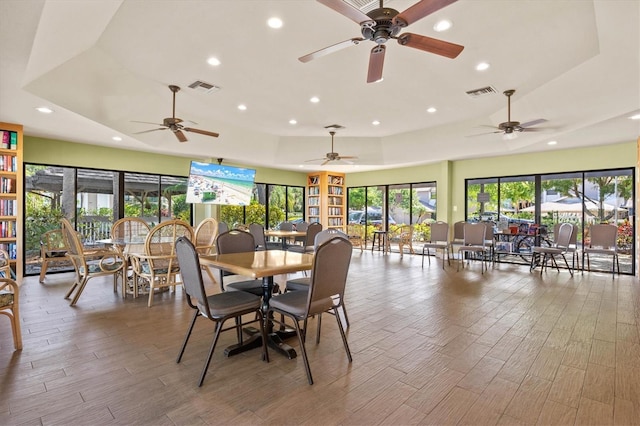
[{"x": 274, "y": 341}]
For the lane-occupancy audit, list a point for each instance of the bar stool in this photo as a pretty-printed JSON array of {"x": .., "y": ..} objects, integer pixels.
[{"x": 383, "y": 241}]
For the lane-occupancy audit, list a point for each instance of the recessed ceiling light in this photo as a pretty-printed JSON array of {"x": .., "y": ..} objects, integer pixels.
[
  {"x": 431, "y": 110},
  {"x": 314, "y": 99},
  {"x": 213, "y": 61},
  {"x": 117, "y": 138},
  {"x": 301, "y": 166},
  {"x": 292, "y": 121},
  {"x": 552, "y": 143},
  {"x": 442, "y": 25},
  {"x": 45, "y": 110},
  {"x": 482, "y": 66},
  {"x": 274, "y": 22},
  {"x": 242, "y": 107},
  {"x": 375, "y": 122},
  {"x": 635, "y": 117}
]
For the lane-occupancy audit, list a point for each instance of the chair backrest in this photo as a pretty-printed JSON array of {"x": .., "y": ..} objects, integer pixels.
[
  {"x": 130, "y": 229},
  {"x": 603, "y": 236},
  {"x": 162, "y": 238},
  {"x": 312, "y": 231},
  {"x": 53, "y": 241},
  {"x": 286, "y": 226},
  {"x": 205, "y": 235},
  {"x": 302, "y": 226},
  {"x": 257, "y": 230},
  {"x": 235, "y": 241},
  {"x": 327, "y": 234},
  {"x": 222, "y": 227},
  {"x": 329, "y": 275},
  {"x": 458, "y": 230},
  {"x": 563, "y": 236},
  {"x": 191, "y": 274},
  {"x": 488, "y": 235},
  {"x": 74, "y": 245},
  {"x": 474, "y": 234},
  {"x": 439, "y": 232}
]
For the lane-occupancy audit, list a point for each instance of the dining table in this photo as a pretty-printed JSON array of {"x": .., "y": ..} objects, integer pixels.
[
  {"x": 262, "y": 265},
  {"x": 284, "y": 236}
]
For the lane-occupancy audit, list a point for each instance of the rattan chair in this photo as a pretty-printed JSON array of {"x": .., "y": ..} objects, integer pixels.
[
  {"x": 326, "y": 293},
  {"x": 126, "y": 231},
  {"x": 356, "y": 236},
  {"x": 158, "y": 266},
  {"x": 10, "y": 306},
  {"x": 205, "y": 240},
  {"x": 438, "y": 240},
  {"x": 53, "y": 249},
  {"x": 89, "y": 264},
  {"x": 218, "y": 307}
]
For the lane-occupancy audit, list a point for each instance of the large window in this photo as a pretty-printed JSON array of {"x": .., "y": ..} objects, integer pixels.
[
  {"x": 93, "y": 199},
  {"x": 387, "y": 207},
  {"x": 580, "y": 198}
]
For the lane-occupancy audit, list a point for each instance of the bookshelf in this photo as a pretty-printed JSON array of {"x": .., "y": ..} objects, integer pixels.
[
  {"x": 11, "y": 145},
  {"x": 326, "y": 199}
]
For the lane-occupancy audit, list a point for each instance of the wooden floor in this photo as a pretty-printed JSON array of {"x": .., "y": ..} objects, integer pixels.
[{"x": 429, "y": 347}]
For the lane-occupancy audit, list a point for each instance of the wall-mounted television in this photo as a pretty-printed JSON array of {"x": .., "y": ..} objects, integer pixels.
[{"x": 217, "y": 184}]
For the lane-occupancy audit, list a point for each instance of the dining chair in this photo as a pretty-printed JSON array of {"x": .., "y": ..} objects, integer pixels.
[
  {"x": 257, "y": 230},
  {"x": 603, "y": 240},
  {"x": 458, "y": 233},
  {"x": 236, "y": 241},
  {"x": 218, "y": 307},
  {"x": 541, "y": 255},
  {"x": 10, "y": 306},
  {"x": 205, "y": 236},
  {"x": 128, "y": 229},
  {"x": 309, "y": 239},
  {"x": 53, "y": 249},
  {"x": 474, "y": 242},
  {"x": 89, "y": 263},
  {"x": 573, "y": 244},
  {"x": 5, "y": 264},
  {"x": 302, "y": 283},
  {"x": 158, "y": 266},
  {"x": 404, "y": 237},
  {"x": 438, "y": 240},
  {"x": 222, "y": 227},
  {"x": 326, "y": 293},
  {"x": 286, "y": 226},
  {"x": 302, "y": 227},
  {"x": 489, "y": 240},
  {"x": 355, "y": 232}
]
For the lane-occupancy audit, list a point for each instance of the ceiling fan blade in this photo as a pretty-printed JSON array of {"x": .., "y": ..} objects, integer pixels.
[
  {"x": 431, "y": 45},
  {"x": 330, "y": 49},
  {"x": 147, "y": 131},
  {"x": 483, "y": 134},
  {"x": 347, "y": 10},
  {"x": 419, "y": 11},
  {"x": 147, "y": 122},
  {"x": 348, "y": 157},
  {"x": 202, "y": 132},
  {"x": 533, "y": 122},
  {"x": 325, "y": 161},
  {"x": 376, "y": 62},
  {"x": 181, "y": 137}
]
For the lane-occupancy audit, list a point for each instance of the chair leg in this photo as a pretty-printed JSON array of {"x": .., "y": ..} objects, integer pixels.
[
  {"x": 318, "y": 328},
  {"x": 79, "y": 291},
  {"x": 213, "y": 346},
  {"x": 567, "y": 263},
  {"x": 186, "y": 338},
  {"x": 43, "y": 269},
  {"x": 303, "y": 350},
  {"x": 344, "y": 337}
]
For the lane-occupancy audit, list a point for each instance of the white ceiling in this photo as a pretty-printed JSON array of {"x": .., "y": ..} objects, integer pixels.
[{"x": 101, "y": 64}]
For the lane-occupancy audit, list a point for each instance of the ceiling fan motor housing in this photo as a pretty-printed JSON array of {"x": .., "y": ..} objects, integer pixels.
[{"x": 384, "y": 28}]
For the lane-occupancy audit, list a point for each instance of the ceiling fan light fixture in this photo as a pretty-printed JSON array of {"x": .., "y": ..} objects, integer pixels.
[
  {"x": 508, "y": 136},
  {"x": 442, "y": 25}
]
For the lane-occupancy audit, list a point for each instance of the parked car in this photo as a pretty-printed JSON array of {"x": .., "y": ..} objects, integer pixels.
[
  {"x": 373, "y": 217},
  {"x": 493, "y": 217}
]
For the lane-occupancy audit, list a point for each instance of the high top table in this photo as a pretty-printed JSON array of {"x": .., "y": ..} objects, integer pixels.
[{"x": 261, "y": 264}]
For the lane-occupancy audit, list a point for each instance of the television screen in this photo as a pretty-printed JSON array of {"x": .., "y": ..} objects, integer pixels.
[{"x": 216, "y": 184}]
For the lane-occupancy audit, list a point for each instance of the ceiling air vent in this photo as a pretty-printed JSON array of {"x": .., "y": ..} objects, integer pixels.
[
  {"x": 366, "y": 6},
  {"x": 204, "y": 87},
  {"x": 483, "y": 91}
]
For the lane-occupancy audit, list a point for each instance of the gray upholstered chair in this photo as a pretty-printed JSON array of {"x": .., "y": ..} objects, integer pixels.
[
  {"x": 603, "y": 240},
  {"x": 302, "y": 227},
  {"x": 326, "y": 293},
  {"x": 438, "y": 240},
  {"x": 218, "y": 307},
  {"x": 541, "y": 255},
  {"x": 309, "y": 240},
  {"x": 257, "y": 230},
  {"x": 236, "y": 241},
  {"x": 474, "y": 243}
]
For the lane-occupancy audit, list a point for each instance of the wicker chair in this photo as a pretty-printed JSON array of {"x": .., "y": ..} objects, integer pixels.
[
  {"x": 356, "y": 236},
  {"x": 125, "y": 231},
  {"x": 89, "y": 263},
  {"x": 9, "y": 306},
  {"x": 205, "y": 240},
  {"x": 404, "y": 238},
  {"x": 53, "y": 248}
]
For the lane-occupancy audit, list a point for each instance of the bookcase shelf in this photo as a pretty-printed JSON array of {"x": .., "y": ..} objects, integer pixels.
[
  {"x": 326, "y": 199},
  {"x": 11, "y": 146}
]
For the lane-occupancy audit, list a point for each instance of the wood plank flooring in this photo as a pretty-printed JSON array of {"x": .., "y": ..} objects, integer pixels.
[{"x": 430, "y": 346}]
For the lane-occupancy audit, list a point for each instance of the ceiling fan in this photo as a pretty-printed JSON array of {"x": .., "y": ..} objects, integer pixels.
[
  {"x": 173, "y": 123},
  {"x": 381, "y": 25},
  {"x": 333, "y": 156},
  {"x": 510, "y": 129}
]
